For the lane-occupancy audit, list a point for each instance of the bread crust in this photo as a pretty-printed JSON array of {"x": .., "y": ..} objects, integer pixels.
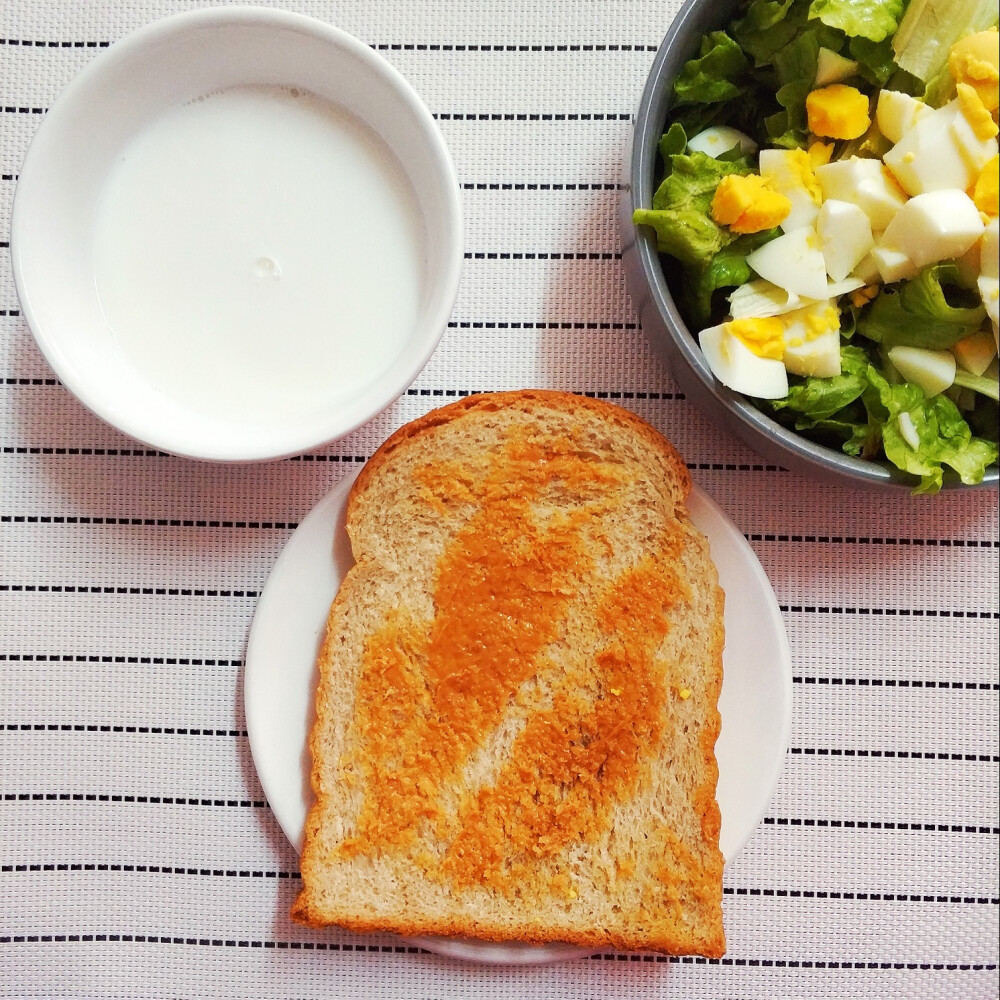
[{"x": 394, "y": 894}]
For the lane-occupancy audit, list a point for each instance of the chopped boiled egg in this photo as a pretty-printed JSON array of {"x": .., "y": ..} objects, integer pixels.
[
  {"x": 975, "y": 112},
  {"x": 893, "y": 265},
  {"x": 976, "y": 352},
  {"x": 736, "y": 366},
  {"x": 975, "y": 60},
  {"x": 866, "y": 270},
  {"x": 938, "y": 225},
  {"x": 819, "y": 153},
  {"x": 896, "y": 113},
  {"x": 812, "y": 340},
  {"x": 933, "y": 371},
  {"x": 764, "y": 336},
  {"x": 989, "y": 289},
  {"x": 977, "y": 148},
  {"x": 837, "y": 112},
  {"x": 908, "y": 430},
  {"x": 748, "y": 204},
  {"x": 790, "y": 173},
  {"x": 845, "y": 236},
  {"x": 939, "y": 151},
  {"x": 793, "y": 261},
  {"x": 832, "y": 67},
  {"x": 864, "y": 183},
  {"x": 720, "y": 139},
  {"x": 986, "y": 193},
  {"x": 761, "y": 298}
]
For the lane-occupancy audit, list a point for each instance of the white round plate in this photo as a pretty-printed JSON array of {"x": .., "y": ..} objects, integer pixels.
[{"x": 288, "y": 627}]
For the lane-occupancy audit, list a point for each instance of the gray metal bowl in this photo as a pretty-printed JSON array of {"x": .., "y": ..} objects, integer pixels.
[{"x": 649, "y": 278}]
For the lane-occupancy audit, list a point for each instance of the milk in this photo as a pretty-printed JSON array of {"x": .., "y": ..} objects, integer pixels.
[{"x": 257, "y": 254}]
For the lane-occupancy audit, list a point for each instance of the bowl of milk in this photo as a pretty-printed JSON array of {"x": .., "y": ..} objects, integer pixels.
[{"x": 237, "y": 234}]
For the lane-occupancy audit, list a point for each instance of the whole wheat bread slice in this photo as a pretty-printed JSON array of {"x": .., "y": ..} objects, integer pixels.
[{"x": 517, "y": 707}]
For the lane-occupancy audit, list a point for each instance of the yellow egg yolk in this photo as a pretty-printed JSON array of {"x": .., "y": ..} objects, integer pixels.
[
  {"x": 979, "y": 119},
  {"x": 975, "y": 61},
  {"x": 763, "y": 336},
  {"x": 801, "y": 164},
  {"x": 986, "y": 193},
  {"x": 820, "y": 153},
  {"x": 838, "y": 112},
  {"x": 748, "y": 204}
]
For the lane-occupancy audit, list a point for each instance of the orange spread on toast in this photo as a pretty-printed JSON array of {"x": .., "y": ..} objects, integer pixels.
[{"x": 432, "y": 692}]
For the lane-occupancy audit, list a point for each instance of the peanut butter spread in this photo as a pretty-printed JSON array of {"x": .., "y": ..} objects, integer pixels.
[{"x": 432, "y": 692}]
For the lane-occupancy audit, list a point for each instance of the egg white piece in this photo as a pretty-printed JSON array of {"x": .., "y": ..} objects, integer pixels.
[
  {"x": 976, "y": 352},
  {"x": 930, "y": 155},
  {"x": 760, "y": 299},
  {"x": 777, "y": 166},
  {"x": 908, "y": 430},
  {"x": 893, "y": 265},
  {"x": 937, "y": 225},
  {"x": 977, "y": 151},
  {"x": 818, "y": 355},
  {"x": 736, "y": 366},
  {"x": 794, "y": 262},
  {"x": 989, "y": 250},
  {"x": 896, "y": 113},
  {"x": 832, "y": 67},
  {"x": 845, "y": 236},
  {"x": 866, "y": 270},
  {"x": 862, "y": 182},
  {"x": 933, "y": 371},
  {"x": 720, "y": 139},
  {"x": 837, "y": 288},
  {"x": 989, "y": 289}
]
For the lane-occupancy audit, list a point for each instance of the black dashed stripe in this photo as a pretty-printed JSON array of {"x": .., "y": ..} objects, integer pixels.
[
  {"x": 28, "y": 588},
  {"x": 898, "y": 683},
  {"x": 158, "y": 522},
  {"x": 876, "y": 540},
  {"x": 28, "y": 43},
  {"x": 65, "y": 727},
  {"x": 544, "y": 255},
  {"x": 158, "y": 660},
  {"x": 161, "y": 800},
  {"x": 980, "y": 758},
  {"x": 851, "y": 824},
  {"x": 889, "y": 612},
  {"x": 540, "y": 186}
]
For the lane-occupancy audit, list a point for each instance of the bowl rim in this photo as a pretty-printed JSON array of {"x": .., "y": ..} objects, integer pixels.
[
  {"x": 418, "y": 347},
  {"x": 761, "y": 432}
]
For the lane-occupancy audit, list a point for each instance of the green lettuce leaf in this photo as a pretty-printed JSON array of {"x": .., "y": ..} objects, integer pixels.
[
  {"x": 818, "y": 399},
  {"x": 978, "y": 383},
  {"x": 871, "y": 19},
  {"x": 944, "y": 436},
  {"x": 769, "y": 25},
  {"x": 920, "y": 314},
  {"x": 672, "y": 142},
  {"x": 727, "y": 269},
  {"x": 795, "y": 65},
  {"x": 715, "y": 75},
  {"x": 875, "y": 59},
  {"x": 681, "y": 206}
]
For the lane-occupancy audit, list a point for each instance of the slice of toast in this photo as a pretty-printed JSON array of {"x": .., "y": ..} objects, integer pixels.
[{"x": 517, "y": 707}]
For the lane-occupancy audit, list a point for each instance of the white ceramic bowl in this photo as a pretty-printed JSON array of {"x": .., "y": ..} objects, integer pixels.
[{"x": 140, "y": 78}]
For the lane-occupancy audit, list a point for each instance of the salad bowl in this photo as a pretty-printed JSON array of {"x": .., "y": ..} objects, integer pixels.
[{"x": 655, "y": 280}]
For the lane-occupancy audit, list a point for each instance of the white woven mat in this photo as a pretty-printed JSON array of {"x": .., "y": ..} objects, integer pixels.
[{"x": 138, "y": 857}]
